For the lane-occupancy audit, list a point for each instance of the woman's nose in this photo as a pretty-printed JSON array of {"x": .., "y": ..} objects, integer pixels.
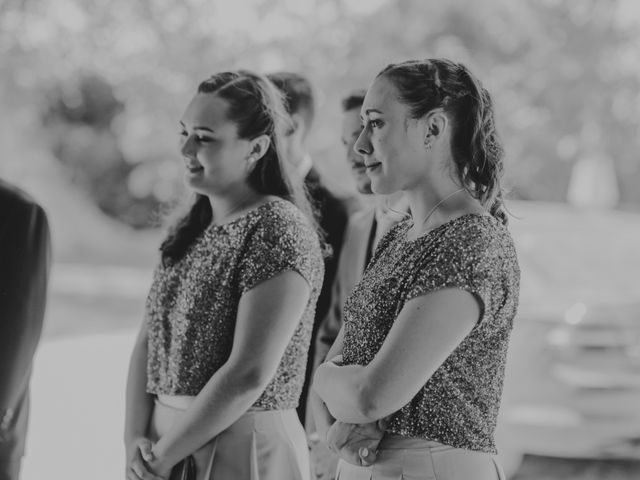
[
  {"x": 362, "y": 145},
  {"x": 186, "y": 148}
]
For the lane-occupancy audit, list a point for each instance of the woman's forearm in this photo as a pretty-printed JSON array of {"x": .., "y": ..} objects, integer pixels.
[
  {"x": 222, "y": 401},
  {"x": 267, "y": 318},
  {"x": 139, "y": 403},
  {"x": 344, "y": 391},
  {"x": 321, "y": 415}
]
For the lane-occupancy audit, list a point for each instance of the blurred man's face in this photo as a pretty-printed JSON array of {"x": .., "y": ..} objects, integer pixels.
[
  {"x": 292, "y": 141},
  {"x": 351, "y": 128}
]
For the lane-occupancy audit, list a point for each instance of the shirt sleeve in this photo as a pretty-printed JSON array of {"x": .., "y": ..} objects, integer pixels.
[
  {"x": 464, "y": 258},
  {"x": 279, "y": 245},
  {"x": 25, "y": 261}
]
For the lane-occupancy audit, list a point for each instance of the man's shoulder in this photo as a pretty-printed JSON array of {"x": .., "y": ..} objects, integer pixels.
[
  {"x": 324, "y": 198},
  {"x": 12, "y": 198},
  {"x": 358, "y": 230}
]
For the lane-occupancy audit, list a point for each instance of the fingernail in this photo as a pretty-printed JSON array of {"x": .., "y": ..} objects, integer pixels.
[{"x": 364, "y": 451}]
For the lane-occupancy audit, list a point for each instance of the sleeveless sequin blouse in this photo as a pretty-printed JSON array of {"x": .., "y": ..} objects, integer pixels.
[
  {"x": 192, "y": 305},
  {"x": 458, "y": 406}
]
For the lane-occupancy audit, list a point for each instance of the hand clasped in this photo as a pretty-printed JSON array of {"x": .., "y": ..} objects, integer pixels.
[{"x": 356, "y": 443}]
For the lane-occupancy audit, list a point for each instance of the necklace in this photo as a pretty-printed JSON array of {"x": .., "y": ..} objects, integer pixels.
[
  {"x": 432, "y": 211},
  {"x": 243, "y": 204}
]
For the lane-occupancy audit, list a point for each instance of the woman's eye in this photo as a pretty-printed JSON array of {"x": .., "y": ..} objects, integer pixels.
[
  {"x": 375, "y": 123},
  {"x": 184, "y": 135}
]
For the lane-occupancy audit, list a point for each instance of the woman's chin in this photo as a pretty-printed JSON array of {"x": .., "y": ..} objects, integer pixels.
[
  {"x": 194, "y": 184},
  {"x": 381, "y": 188}
]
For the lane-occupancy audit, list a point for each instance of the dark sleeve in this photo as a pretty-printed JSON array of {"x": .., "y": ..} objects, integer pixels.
[
  {"x": 25, "y": 257},
  {"x": 278, "y": 245},
  {"x": 467, "y": 260},
  {"x": 333, "y": 220}
]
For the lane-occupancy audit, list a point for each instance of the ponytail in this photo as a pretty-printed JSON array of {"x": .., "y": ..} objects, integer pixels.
[{"x": 483, "y": 166}]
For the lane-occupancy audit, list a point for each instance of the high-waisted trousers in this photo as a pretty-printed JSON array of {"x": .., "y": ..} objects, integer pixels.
[
  {"x": 260, "y": 445},
  {"x": 402, "y": 458}
]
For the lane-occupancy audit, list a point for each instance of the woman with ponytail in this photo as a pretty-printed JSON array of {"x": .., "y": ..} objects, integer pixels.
[
  {"x": 218, "y": 366},
  {"x": 413, "y": 382}
]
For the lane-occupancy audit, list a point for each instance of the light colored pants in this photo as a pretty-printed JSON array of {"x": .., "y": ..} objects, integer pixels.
[
  {"x": 260, "y": 445},
  {"x": 417, "y": 459}
]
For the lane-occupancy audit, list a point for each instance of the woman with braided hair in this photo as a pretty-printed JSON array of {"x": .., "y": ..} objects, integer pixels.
[
  {"x": 218, "y": 367},
  {"x": 413, "y": 382}
]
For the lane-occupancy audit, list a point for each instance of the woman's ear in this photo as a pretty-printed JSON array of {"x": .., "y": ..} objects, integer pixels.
[
  {"x": 436, "y": 125},
  {"x": 259, "y": 147}
]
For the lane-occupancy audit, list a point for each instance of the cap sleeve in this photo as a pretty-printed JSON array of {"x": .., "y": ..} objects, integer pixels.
[
  {"x": 279, "y": 244},
  {"x": 463, "y": 257}
]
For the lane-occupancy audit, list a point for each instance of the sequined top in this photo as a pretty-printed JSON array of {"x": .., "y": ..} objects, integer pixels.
[
  {"x": 458, "y": 406},
  {"x": 192, "y": 305}
]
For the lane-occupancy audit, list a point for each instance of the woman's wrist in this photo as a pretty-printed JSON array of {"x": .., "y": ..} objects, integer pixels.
[
  {"x": 133, "y": 435},
  {"x": 162, "y": 457},
  {"x": 159, "y": 466}
]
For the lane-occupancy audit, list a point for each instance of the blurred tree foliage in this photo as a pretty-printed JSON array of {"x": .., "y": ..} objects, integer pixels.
[
  {"x": 78, "y": 118},
  {"x": 564, "y": 75}
]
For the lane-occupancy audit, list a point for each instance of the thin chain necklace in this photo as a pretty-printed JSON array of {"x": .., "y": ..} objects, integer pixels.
[
  {"x": 432, "y": 211},
  {"x": 244, "y": 203}
]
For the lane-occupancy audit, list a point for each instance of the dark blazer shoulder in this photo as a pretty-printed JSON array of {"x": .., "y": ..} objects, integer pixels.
[
  {"x": 325, "y": 200},
  {"x": 12, "y": 196},
  {"x": 19, "y": 212}
]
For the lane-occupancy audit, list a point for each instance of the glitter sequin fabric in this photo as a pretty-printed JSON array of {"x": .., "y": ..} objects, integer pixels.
[
  {"x": 192, "y": 305},
  {"x": 459, "y": 404}
]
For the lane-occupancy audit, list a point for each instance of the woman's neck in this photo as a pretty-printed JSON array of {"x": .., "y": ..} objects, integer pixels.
[
  {"x": 431, "y": 207},
  {"x": 226, "y": 208},
  {"x": 394, "y": 204}
]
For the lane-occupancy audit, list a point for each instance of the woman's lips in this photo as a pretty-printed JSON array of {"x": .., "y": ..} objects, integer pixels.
[
  {"x": 373, "y": 167},
  {"x": 194, "y": 168}
]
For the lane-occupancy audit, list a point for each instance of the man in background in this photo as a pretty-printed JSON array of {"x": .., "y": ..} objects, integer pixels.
[
  {"x": 364, "y": 230},
  {"x": 331, "y": 212},
  {"x": 25, "y": 257}
]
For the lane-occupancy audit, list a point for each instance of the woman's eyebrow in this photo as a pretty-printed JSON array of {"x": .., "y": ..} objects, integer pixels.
[{"x": 208, "y": 129}]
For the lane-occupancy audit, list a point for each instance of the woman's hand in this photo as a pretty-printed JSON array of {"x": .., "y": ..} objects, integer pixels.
[
  {"x": 139, "y": 459},
  {"x": 159, "y": 466},
  {"x": 337, "y": 360},
  {"x": 356, "y": 443}
]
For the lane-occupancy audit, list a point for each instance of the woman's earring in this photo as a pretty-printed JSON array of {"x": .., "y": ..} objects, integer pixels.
[
  {"x": 251, "y": 161},
  {"x": 427, "y": 141}
]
